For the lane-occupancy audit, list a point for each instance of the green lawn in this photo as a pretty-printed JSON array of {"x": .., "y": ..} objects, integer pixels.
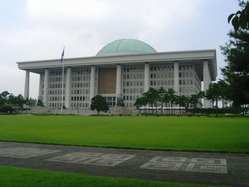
[
  {"x": 19, "y": 177},
  {"x": 142, "y": 132}
]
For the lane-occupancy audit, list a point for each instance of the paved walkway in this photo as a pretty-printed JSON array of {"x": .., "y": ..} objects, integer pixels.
[{"x": 184, "y": 167}]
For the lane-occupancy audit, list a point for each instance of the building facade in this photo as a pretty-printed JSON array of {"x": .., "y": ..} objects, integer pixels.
[{"x": 124, "y": 68}]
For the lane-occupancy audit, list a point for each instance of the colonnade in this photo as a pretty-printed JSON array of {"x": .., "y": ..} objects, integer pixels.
[{"x": 206, "y": 80}]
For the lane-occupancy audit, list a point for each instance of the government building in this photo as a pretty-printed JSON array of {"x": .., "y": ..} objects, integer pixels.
[{"x": 124, "y": 68}]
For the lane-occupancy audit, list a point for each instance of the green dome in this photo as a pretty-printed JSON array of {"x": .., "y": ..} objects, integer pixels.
[{"x": 128, "y": 46}]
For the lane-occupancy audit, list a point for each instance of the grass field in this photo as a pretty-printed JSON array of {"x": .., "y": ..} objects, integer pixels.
[
  {"x": 141, "y": 132},
  {"x": 19, "y": 177}
]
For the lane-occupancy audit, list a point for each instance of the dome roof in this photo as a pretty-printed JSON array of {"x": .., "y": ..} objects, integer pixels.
[{"x": 128, "y": 46}]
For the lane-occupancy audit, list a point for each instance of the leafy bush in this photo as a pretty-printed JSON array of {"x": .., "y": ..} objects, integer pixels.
[{"x": 7, "y": 109}]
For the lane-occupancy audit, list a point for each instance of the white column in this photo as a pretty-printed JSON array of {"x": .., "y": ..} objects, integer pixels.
[
  {"x": 146, "y": 77},
  {"x": 118, "y": 81},
  {"x": 92, "y": 81},
  {"x": 40, "y": 87},
  {"x": 206, "y": 82},
  {"x": 45, "y": 94},
  {"x": 26, "y": 87},
  {"x": 176, "y": 77},
  {"x": 68, "y": 87}
]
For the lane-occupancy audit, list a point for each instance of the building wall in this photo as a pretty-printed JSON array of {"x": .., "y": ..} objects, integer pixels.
[
  {"x": 133, "y": 77},
  {"x": 133, "y": 83}
]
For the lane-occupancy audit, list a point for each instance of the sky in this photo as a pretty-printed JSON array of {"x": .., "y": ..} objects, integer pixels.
[{"x": 38, "y": 30}]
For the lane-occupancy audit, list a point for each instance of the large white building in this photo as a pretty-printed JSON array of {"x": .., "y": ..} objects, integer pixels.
[{"x": 126, "y": 68}]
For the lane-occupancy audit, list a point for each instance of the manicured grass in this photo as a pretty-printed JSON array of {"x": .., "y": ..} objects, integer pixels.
[
  {"x": 142, "y": 132},
  {"x": 19, "y": 177}
]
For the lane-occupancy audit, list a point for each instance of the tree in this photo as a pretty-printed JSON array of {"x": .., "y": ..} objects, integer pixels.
[
  {"x": 240, "y": 19},
  {"x": 162, "y": 92},
  {"x": 152, "y": 97},
  {"x": 237, "y": 90},
  {"x": 171, "y": 97},
  {"x": 7, "y": 109},
  {"x": 4, "y": 98},
  {"x": 99, "y": 103},
  {"x": 182, "y": 101},
  {"x": 195, "y": 100},
  {"x": 236, "y": 73},
  {"x": 214, "y": 93},
  {"x": 141, "y": 101}
]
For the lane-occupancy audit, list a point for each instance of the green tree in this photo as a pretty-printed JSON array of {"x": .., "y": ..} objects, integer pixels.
[
  {"x": 172, "y": 98},
  {"x": 162, "y": 92},
  {"x": 195, "y": 100},
  {"x": 214, "y": 93},
  {"x": 141, "y": 101},
  {"x": 236, "y": 73},
  {"x": 99, "y": 104},
  {"x": 4, "y": 98},
  {"x": 152, "y": 97},
  {"x": 182, "y": 101},
  {"x": 240, "y": 19},
  {"x": 7, "y": 109},
  {"x": 224, "y": 90}
]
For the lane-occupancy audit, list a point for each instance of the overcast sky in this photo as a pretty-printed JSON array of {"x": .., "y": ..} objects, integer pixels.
[{"x": 38, "y": 30}]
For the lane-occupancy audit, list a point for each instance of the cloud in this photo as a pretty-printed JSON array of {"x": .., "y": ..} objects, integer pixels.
[{"x": 38, "y": 29}]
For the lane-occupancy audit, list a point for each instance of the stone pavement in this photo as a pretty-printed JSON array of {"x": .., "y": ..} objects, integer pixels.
[{"x": 185, "y": 167}]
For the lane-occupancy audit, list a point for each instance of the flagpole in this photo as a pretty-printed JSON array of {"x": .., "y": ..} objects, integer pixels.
[{"x": 62, "y": 82}]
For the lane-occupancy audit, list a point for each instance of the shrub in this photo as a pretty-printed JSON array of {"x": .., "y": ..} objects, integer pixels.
[{"x": 7, "y": 109}]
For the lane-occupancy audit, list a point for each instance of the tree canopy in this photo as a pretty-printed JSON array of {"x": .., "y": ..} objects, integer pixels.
[
  {"x": 236, "y": 72},
  {"x": 240, "y": 19},
  {"x": 99, "y": 104}
]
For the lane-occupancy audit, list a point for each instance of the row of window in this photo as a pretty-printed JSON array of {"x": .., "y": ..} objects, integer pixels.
[
  {"x": 186, "y": 82},
  {"x": 81, "y": 91},
  {"x": 59, "y": 85},
  {"x": 81, "y": 71},
  {"x": 170, "y": 67},
  {"x": 186, "y": 89},
  {"x": 55, "y": 105},
  {"x": 58, "y": 98},
  {"x": 56, "y": 92},
  {"x": 130, "y": 97},
  {"x": 133, "y": 69},
  {"x": 161, "y": 75},
  {"x": 133, "y": 83},
  {"x": 55, "y": 79},
  {"x": 81, "y": 85},
  {"x": 133, "y": 90},
  {"x": 79, "y": 98},
  {"x": 53, "y": 73},
  {"x": 81, "y": 78},
  {"x": 162, "y": 82},
  {"x": 79, "y": 105},
  {"x": 186, "y": 74},
  {"x": 133, "y": 76}
]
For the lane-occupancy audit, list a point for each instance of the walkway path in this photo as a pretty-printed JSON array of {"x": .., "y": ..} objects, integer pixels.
[{"x": 184, "y": 167}]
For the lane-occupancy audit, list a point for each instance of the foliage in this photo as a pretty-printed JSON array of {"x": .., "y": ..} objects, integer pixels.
[
  {"x": 18, "y": 101},
  {"x": 240, "y": 19},
  {"x": 6, "y": 109},
  {"x": 236, "y": 73},
  {"x": 4, "y": 98},
  {"x": 142, "y": 132},
  {"x": 99, "y": 104},
  {"x": 168, "y": 98}
]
